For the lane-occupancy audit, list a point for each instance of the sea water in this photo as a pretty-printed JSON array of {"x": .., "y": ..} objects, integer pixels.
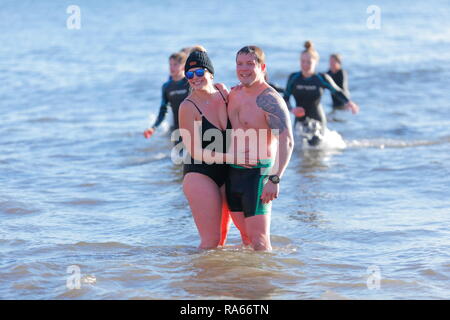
[{"x": 89, "y": 209}]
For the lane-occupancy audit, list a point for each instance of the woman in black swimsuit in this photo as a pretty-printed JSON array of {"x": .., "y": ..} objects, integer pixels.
[{"x": 205, "y": 169}]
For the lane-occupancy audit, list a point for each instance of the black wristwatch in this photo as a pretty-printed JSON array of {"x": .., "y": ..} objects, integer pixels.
[{"x": 275, "y": 179}]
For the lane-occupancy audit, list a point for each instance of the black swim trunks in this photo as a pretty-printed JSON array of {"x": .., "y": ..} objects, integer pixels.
[{"x": 244, "y": 187}]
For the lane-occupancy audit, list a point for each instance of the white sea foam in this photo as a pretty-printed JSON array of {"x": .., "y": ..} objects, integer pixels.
[{"x": 329, "y": 139}]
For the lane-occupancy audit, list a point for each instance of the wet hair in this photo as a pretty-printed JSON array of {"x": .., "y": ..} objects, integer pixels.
[
  {"x": 309, "y": 48},
  {"x": 179, "y": 57},
  {"x": 337, "y": 57},
  {"x": 258, "y": 52}
]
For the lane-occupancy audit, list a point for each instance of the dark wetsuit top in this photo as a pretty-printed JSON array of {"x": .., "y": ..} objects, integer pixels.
[
  {"x": 173, "y": 93},
  {"x": 277, "y": 88},
  {"x": 341, "y": 79},
  {"x": 308, "y": 92},
  {"x": 216, "y": 171}
]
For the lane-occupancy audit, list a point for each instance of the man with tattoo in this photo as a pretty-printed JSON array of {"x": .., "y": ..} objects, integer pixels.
[{"x": 262, "y": 128}]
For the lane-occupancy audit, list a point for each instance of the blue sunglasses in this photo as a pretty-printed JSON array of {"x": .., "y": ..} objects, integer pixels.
[{"x": 198, "y": 73}]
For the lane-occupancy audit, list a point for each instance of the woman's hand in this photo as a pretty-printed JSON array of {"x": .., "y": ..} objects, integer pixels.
[{"x": 237, "y": 87}]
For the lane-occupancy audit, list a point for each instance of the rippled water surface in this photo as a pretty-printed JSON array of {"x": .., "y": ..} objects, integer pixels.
[{"x": 80, "y": 186}]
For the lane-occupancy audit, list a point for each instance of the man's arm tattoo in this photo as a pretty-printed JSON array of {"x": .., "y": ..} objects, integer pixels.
[{"x": 271, "y": 104}]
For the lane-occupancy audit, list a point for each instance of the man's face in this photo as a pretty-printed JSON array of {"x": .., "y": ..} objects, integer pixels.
[
  {"x": 334, "y": 64},
  {"x": 175, "y": 68},
  {"x": 248, "y": 70}
]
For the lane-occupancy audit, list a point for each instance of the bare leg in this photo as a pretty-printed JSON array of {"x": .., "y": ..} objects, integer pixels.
[
  {"x": 258, "y": 229},
  {"x": 205, "y": 201}
]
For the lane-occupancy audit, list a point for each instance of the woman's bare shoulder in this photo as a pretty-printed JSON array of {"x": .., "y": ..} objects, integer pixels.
[{"x": 187, "y": 109}]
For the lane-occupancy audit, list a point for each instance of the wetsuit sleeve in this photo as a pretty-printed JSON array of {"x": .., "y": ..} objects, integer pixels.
[
  {"x": 277, "y": 88},
  {"x": 163, "y": 108},
  {"x": 288, "y": 92},
  {"x": 345, "y": 83},
  {"x": 328, "y": 83}
]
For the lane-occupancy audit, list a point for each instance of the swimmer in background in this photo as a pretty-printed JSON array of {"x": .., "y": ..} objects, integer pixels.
[
  {"x": 340, "y": 77},
  {"x": 307, "y": 88},
  {"x": 174, "y": 91},
  {"x": 277, "y": 88}
]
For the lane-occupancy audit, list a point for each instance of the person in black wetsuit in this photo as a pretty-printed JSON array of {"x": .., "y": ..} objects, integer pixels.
[
  {"x": 340, "y": 77},
  {"x": 174, "y": 91},
  {"x": 205, "y": 167},
  {"x": 273, "y": 85},
  {"x": 307, "y": 88}
]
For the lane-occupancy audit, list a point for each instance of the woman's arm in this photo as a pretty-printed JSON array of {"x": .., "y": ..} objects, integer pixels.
[{"x": 328, "y": 83}]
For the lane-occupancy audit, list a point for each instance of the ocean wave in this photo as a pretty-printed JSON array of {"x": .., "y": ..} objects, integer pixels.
[
  {"x": 102, "y": 245},
  {"x": 392, "y": 143},
  {"x": 16, "y": 208}
]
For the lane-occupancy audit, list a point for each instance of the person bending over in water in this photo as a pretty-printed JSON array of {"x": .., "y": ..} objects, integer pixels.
[{"x": 307, "y": 88}]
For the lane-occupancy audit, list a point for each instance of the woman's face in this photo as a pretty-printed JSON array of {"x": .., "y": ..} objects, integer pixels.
[
  {"x": 307, "y": 63},
  {"x": 199, "y": 82}
]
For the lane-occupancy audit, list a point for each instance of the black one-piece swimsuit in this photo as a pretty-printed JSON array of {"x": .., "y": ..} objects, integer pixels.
[{"x": 216, "y": 171}]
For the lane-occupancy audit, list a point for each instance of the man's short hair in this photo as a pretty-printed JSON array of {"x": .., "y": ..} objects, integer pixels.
[{"x": 257, "y": 51}]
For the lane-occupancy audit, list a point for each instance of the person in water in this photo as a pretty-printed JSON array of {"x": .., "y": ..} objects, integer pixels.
[
  {"x": 273, "y": 85},
  {"x": 307, "y": 88},
  {"x": 205, "y": 170},
  {"x": 340, "y": 77},
  {"x": 174, "y": 91},
  {"x": 255, "y": 107}
]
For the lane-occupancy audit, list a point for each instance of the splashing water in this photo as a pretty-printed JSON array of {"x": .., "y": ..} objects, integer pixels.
[{"x": 315, "y": 136}]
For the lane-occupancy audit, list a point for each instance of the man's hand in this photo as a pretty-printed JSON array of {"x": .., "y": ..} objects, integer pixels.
[
  {"x": 148, "y": 133},
  {"x": 352, "y": 106},
  {"x": 270, "y": 192},
  {"x": 298, "y": 112}
]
